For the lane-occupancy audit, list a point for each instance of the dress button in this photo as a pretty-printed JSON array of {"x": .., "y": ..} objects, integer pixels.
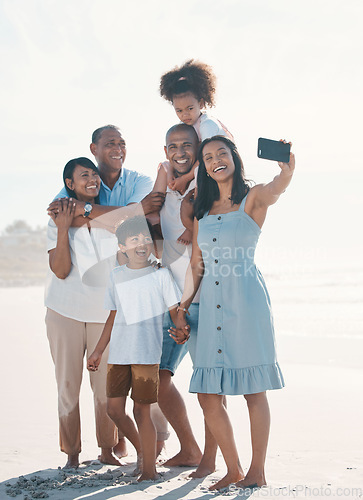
[
  {"x": 214, "y": 239},
  {"x": 219, "y": 218},
  {"x": 219, "y": 328},
  {"x": 219, "y": 351},
  {"x": 217, "y": 282},
  {"x": 218, "y": 306},
  {"x": 216, "y": 261}
]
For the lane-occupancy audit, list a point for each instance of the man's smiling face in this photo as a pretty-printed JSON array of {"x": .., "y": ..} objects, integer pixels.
[
  {"x": 181, "y": 149},
  {"x": 110, "y": 150}
]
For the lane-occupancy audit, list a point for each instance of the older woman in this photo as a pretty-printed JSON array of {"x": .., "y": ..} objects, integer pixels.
[
  {"x": 235, "y": 344},
  {"x": 75, "y": 314}
]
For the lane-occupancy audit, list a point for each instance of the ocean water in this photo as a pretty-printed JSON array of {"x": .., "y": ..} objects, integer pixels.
[
  {"x": 317, "y": 298},
  {"x": 317, "y": 303}
]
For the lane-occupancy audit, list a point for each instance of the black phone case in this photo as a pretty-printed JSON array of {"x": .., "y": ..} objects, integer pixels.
[{"x": 273, "y": 150}]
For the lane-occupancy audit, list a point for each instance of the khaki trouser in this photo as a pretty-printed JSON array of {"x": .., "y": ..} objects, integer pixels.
[{"x": 69, "y": 340}]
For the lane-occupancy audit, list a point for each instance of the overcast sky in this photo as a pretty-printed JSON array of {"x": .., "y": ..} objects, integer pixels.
[{"x": 285, "y": 69}]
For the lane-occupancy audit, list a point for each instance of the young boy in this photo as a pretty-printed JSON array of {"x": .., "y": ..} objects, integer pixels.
[{"x": 137, "y": 296}]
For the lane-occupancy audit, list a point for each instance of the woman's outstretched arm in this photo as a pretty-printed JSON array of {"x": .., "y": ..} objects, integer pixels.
[{"x": 264, "y": 195}]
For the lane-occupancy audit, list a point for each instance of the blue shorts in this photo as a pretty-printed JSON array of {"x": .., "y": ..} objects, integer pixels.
[{"x": 173, "y": 353}]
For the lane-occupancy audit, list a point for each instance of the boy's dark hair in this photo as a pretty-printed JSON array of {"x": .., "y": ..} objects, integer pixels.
[
  {"x": 208, "y": 190},
  {"x": 70, "y": 168},
  {"x": 98, "y": 132},
  {"x": 132, "y": 227},
  {"x": 193, "y": 76}
]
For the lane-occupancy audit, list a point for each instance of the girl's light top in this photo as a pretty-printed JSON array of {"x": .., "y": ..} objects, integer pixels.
[{"x": 207, "y": 126}]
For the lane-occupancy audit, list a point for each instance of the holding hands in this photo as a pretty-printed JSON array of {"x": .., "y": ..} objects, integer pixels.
[
  {"x": 94, "y": 361},
  {"x": 181, "y": 333},
  {"x": 57, "y": 206},
  {"x": 62, "y": 212}
]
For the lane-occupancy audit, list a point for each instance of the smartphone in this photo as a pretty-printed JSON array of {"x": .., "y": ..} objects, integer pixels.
[{"x": 273, "y": 150}]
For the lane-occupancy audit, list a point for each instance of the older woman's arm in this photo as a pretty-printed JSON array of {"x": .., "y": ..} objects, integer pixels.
[
  {"x": 110, "y": 216},
  {"x": 60, "y": 256}
]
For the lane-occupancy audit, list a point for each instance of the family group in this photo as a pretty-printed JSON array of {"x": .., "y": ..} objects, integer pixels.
[{"x": 109, "y": 297}]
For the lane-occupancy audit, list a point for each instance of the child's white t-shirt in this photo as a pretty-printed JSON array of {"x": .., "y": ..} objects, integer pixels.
[
  {"x": 140, "y": 297},
  {"x": 207, "y": 126}
]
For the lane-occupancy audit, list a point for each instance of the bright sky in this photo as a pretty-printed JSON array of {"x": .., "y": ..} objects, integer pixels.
[{"x": 285, "y": 69}]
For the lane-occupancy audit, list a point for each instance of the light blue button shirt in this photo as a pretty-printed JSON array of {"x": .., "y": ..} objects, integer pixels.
[{"x": 131, "y": 187}]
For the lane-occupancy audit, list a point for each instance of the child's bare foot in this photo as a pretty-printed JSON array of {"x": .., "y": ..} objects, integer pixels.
[
  {"x": 183, "y": 459},
  {"x": 252, "y": 480},
  {"x": 180, "y": 184},
  {"x": 229, "y": 478},
  {"x": 72, "y": 462},
  {"x": 186, "y": 237},
  {"x": 171, "y": 184},
  {"x": 107, "y": 457},
  {"x": 120, "y": 450}
]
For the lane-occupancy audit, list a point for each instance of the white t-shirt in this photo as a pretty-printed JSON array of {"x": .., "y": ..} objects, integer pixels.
[
  {"x": 140, "y": 297},
  {"x": 176, "y": 256},
  {"x": 80, "y": 295},
  {"x": 207, "y": 126}
]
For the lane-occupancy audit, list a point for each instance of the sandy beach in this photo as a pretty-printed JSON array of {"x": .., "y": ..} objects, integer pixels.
[{"x": 316, "y": 442}]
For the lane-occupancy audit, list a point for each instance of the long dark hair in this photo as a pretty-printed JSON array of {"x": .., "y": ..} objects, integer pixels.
[
  {"x": 70, "y": 168},
  {"x": 208, "y": 191}
]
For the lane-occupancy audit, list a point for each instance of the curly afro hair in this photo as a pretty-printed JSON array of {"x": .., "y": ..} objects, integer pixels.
[{"x": 193, "y": 76}]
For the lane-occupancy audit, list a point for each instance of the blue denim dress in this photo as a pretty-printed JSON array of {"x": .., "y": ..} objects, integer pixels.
[{"x": 235, "y": 351}]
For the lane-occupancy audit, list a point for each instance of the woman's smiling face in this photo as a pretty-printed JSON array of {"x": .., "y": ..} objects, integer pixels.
[
  {"x": 218, "y": 161},
  {"x": 85, "y": 183}
]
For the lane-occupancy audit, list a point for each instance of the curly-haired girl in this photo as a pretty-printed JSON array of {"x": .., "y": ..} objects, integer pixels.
[{"x": 190, "y": 88}]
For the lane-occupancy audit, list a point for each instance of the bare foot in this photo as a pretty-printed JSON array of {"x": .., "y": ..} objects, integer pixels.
[
  {"x": 183, "y": 459},
  {"x": 72, "y": 462},
  {"x": 107, "y": 457},
  {"x": 202, "y": 471},
  {"x": 149, "y": 477},
  {"x": 120, "y": 450},
  {"x": 229, "y": 478},
  {"x": 252, "y": 481},
  {"x": 186, "y": 237},
  {"x": 138, "y": 468},
  {"x": 161, "y": 455},
  {"x": 160, "y": 446}
]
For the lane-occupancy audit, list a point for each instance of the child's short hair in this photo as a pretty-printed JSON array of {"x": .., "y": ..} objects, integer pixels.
[
  {"x": 132, "y": 227},
  {"x": 193, "y": 76}
]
